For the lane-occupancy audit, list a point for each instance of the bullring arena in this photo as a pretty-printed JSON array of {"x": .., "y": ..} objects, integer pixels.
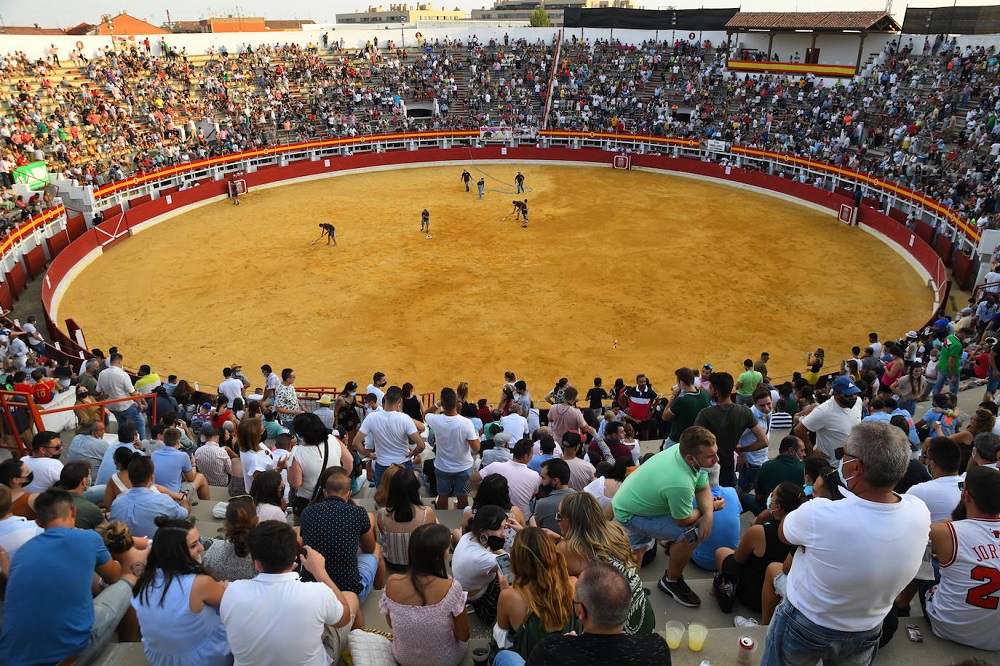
[
  {"x": 674, "y": 270},
  {"x": 692, "y": 223}
]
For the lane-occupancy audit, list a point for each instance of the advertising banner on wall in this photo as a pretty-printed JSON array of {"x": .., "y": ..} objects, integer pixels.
[{"x": 34, "y": 175}]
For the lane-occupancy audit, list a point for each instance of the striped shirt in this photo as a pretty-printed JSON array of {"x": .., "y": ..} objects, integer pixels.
[{"x": 214, "y": 463}]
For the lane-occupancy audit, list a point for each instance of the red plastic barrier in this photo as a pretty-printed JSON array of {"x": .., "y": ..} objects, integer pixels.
[
  {"x": 35, "y": 261},
  {"x": 897, "y": 214},
  {"x": 57, "y": 243},
  {"x": 961, "y": 270},
  {"x": 138, "y": 201},
  {"x": 16, "y": 280},
  {"x": 6, "y": 298},
  {"x": 75, "y": 227},
  {"x": 943, "y": 246},
  {"x": 925, "y": 231}
]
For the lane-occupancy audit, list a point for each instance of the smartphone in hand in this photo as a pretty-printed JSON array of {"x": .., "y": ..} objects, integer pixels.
[{"x": 503, "y": 561}]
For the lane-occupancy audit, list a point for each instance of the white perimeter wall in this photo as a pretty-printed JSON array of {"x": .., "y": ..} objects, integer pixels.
[{"x": 354, "y": 37}]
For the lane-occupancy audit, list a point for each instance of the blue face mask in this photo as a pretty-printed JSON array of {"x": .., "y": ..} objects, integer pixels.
[
  {"x": 808, "y": 489},
  {"x": 840, "y": 473}
]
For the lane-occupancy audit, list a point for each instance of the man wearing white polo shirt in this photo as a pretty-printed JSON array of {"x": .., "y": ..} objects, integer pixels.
[
  {"x": 455, "y": 440},
  {"x": 389, "y": 433}
]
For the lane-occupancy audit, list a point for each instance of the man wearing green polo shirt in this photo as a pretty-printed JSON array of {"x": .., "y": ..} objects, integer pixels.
[
  {"x": 685, "y": 404},
  {"x": 656, "y": 502},
  {"x": 747, "y": 382},
  {"x": 950, "y": 361},
  {"x": 787, "y": 466}
]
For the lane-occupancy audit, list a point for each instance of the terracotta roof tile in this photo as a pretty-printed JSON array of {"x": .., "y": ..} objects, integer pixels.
[{"x": 812, "y": 20}]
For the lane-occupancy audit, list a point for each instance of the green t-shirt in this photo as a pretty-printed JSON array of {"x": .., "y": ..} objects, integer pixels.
[
  {"x": 952, "y": 347},
  {"x": 663, "y": 486},
  {"x": 748, "y": 381},
  {"x": 781, "y": 469},
  {"x": 88, "y": 516},
  {"x": 685, "y": 410}
]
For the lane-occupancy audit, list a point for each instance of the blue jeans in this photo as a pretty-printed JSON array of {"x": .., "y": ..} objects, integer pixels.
[
  {"x": 748, "y": 478},
  {"x": 794, "y": 640},
  {"x": 368, "y": 568},
  {"x": 910, "y": 405},
  {"x": 992, "y": 384},
  {"x": 942, "y": 378},
  {"x": 134, "y": 415},
  {"x": 508, "y": 658},
  {"x": 641, "y": 529},
  {"x": 749, "y": 502},
  {"x": 110, "y": 607},
  {"x": 380, "y": 470},
  {"x": 95, "y": 494}
]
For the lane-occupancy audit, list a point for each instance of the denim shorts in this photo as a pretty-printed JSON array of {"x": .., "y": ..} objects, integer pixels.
[
  {"x": 452, "y": 483},
  {"x": 795, "y": 640},
  {"x": 641, "y": 529}
]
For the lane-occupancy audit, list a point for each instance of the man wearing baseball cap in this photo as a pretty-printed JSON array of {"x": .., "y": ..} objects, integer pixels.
[{"x": 832, "y": 421}]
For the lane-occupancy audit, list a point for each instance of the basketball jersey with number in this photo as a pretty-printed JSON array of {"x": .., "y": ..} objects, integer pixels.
[{"x": 965, "y": 605}]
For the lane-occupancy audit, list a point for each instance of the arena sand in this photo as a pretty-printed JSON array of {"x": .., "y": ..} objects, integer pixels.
[{"x": 677, "y": 271}]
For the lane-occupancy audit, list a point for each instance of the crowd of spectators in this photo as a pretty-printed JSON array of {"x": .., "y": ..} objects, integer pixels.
[
  {"x": 926, "y": 121},
  {"x": 562, "y": 500},
  {"x": 559, "y": 495}
]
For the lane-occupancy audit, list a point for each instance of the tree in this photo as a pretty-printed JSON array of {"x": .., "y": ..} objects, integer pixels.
[{"x": 540, "y": 18}]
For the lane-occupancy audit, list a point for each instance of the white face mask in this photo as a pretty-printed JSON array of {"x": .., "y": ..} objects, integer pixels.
[{"x": 840, "y": 473}]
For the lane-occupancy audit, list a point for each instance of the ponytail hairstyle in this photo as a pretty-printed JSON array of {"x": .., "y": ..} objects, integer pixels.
[
  {"x": 789, "y": 496},
  {"x": 241, "y": 518}
]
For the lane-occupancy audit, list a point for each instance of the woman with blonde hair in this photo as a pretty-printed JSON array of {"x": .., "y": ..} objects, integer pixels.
[
  {"x": 815, "y": 361},
  {"x": 462, "y": 390},
  {"x": 540, "y": 600},
  {"x": 587, "y": 536}
]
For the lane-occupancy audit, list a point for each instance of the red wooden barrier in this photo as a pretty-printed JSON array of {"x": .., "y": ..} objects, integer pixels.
[
  {"x": 35, "y": 260},
  {"x": 16, "y": 280}
]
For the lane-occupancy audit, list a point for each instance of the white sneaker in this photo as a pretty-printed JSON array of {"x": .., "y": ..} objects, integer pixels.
[{"x": 740, "y": 621}]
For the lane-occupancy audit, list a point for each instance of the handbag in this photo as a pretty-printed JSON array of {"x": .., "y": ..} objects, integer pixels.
[
  {"x": 724, "y": 586},
  {"x": 300, "y": 502}
]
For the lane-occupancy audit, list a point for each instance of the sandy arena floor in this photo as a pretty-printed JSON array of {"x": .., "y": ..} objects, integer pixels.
[{"x": 677, "y": 271}]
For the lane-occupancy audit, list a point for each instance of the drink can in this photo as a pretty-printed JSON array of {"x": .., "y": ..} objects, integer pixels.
[{"x": 746, "y": 649}]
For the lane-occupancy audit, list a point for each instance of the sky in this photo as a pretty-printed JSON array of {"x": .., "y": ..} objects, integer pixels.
[{"x": 62, "y": 14}]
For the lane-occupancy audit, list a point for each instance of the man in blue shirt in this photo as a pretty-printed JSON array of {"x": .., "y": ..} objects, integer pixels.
[
  {"x": 174, "y": 468},
  {"x": 128, "y": 435},
  {"x": 50, "y": 614},
  {"x": 140, "y": 506}
]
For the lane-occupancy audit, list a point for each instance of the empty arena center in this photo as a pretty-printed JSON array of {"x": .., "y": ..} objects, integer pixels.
[{"x": 549, "y": 335}]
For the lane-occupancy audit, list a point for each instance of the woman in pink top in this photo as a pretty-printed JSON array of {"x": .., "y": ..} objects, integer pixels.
[{"x": 424, "y": 607}]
